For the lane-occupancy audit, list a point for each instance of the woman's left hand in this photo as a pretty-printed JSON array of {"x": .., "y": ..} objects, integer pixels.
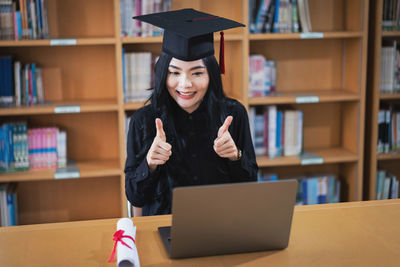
[{"x": 224, "y": 145}]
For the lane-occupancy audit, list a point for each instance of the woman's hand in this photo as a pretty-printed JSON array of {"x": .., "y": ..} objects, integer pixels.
[
  {"x": 224, "y": 145},
  {"x": 160, "y": 150}
]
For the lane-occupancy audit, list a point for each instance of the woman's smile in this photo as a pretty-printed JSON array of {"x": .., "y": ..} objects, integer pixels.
[{"x": 186, "y": 95}]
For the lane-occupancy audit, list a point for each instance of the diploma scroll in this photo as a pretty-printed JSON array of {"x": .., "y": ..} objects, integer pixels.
[{"x": 127, "y": 256}]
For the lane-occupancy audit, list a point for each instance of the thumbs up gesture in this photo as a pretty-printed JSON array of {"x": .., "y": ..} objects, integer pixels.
[
  {"x": 160, "y": 150},
  {"x": 224, "y": 145}
]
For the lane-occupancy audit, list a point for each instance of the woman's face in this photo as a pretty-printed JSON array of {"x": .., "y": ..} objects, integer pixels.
[{"x": 187, "y": 83}]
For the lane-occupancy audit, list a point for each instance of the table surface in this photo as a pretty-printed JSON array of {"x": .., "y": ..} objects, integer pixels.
[{"x": 345, "y": 234}]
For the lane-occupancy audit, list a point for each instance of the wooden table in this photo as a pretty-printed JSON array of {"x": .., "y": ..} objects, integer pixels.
[{"x": 346, "y": 234}]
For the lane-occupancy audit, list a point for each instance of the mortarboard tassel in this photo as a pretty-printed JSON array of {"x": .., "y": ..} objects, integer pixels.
[{"x": 221, "y": 54}]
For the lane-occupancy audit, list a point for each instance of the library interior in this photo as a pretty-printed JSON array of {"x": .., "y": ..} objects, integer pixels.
[{"x": 320, "y": 83}]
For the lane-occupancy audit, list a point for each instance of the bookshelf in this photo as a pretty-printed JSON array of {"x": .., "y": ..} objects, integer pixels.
[
  {"x": 79, "y": 62},
  {"x": 88, "y": 74},
  {"x": 375, "y": 101},
  {"x": 332, "y": 70}
]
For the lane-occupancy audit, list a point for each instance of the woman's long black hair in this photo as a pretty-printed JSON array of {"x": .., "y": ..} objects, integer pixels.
[{"x": 162, "y": 103}]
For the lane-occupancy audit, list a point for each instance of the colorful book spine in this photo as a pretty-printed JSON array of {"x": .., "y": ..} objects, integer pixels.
[{"x": 61, "y": 148}]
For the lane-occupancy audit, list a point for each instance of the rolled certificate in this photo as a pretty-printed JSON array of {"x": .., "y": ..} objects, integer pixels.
[{"x": 127, "y": 256}]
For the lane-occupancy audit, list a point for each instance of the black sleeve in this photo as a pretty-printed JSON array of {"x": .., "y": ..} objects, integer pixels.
[
  {"x": 139, "y": 179},
  {"x": 244, "y": 169}
]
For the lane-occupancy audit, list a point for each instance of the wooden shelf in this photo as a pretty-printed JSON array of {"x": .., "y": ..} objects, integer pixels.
[
  {"x": 85, "y": 106},
  {"x": 390, "y": 33},
  {"x": 331, "y": 155},
  {"x": 87, "y": 169},
  {"x": 59, "y": 42},
  {"x": 133, "y": 105},
  {"x": 376, "y": 101},
  {"x": 395, "y": 96},
  {"x": 388, "y": 156},
  {"x": 296, "y": 97},
  {"x": 298, "y": 36},
  {"x": 158, "y": 39},
  {"x": 141, "y": 40}
]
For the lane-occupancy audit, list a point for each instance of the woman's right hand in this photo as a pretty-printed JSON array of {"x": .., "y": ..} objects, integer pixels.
[{"x": 160, "y": 150}]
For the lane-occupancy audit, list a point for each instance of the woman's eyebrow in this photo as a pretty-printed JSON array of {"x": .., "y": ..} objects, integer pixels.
[
  {"x": 194, "y": 68},
  {"x": 198, "y": 67},
  {"x": 175, "y": 67}
]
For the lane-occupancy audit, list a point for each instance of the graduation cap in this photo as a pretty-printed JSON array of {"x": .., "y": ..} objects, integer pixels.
[{"x": 189, "y": 34}]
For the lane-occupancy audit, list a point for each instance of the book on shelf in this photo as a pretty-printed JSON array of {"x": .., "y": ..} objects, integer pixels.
[
  {"x": 14, "y": 147},
  {"x": 279, "y": 16},
  {"x": 6, "y": 81},
  {"x": 47, "y": 147},
  {"x": 276, "y": 132},
  {"x": 22, "y": 148},
  {"x": 138, "y": 75},
  {"x": 23, "y": 19},
  {"x": 284, "y": 17},
  {"x": 317, "y": 188},
  {"x": 262, "y": 76},
  {"x": 8, "y": 204},
  {"x": 134, "y": 28},
  {"x": 293, "y": 132},
  {"x": 389, "y": 129},
  {"x": 391, "y": 15},
  {"x": 387, "y": 185},
  {"x": 266, "y": 177},
  {"x": 320, "y": 189},
  {"x": 390, "y": 65},
  {"x": 21, "y": 84},
  {"x": 7, "y": 20},
  {"x": 261, "y": 17},
  {"x": 304, "y": 15},
  {"x": 61, "y": 148}
]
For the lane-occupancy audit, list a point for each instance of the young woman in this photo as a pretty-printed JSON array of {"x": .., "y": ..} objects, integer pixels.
[{"x": 189, "y": 134}]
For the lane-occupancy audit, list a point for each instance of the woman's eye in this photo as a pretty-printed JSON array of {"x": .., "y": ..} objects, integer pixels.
[
  {"x": 173, "y": 73},
  {"x": 198, "y": 73}
]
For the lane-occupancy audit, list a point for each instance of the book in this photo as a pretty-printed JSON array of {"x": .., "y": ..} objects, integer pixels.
[
  {"x": 6, "y": 81},
  {"x": 11, "y": 196},
  {"x": 262, "y": 15},
  {"x": 304, "y": 15},
  {"x": 61, "y": 139},
  {"x": 380, "y": 178},
  {"x": 272, "y": 131},
  {"x": 259, "y": 146}
]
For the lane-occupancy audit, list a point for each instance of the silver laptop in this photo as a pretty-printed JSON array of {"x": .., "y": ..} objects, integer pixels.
[{"x": 230, "y": 218}]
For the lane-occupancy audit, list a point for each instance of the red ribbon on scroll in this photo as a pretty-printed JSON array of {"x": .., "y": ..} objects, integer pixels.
[{"x": 118, "y": 235}]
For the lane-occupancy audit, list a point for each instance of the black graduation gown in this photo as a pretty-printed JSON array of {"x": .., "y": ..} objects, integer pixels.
[{"x": 198, "y": 164}]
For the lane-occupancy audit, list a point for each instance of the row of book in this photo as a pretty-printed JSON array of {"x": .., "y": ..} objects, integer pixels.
[
  {"x": 387, "y": 185},
  {"x": 134, "y": 28},
  {"x": 312, "y": 188},
  {"x": 21, "y": 84},
  {"x": 262, "y": 76},
  {"x": 8, "y": 204},
  {"x": 47, "y": 147},
  {"x": 388, "y": 131},
  {"x": 14, "y": 147},
  {"x": 279, "y": 16},
  {"x": 23, "y": 19},
  {"x": 22, "y": 148},
  {"x": 391, "y": 15},
  {"x": 390, "y": 65},
  {"x": 276, "y": 132},
  {"x": 138, "y": 75}
]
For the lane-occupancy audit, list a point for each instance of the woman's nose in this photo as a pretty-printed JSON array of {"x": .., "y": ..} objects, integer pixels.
[{"x": 185, "y": 82}]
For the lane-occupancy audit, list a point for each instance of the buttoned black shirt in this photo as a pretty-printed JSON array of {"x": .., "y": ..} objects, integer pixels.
[{"x": 197, "y": 164}]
